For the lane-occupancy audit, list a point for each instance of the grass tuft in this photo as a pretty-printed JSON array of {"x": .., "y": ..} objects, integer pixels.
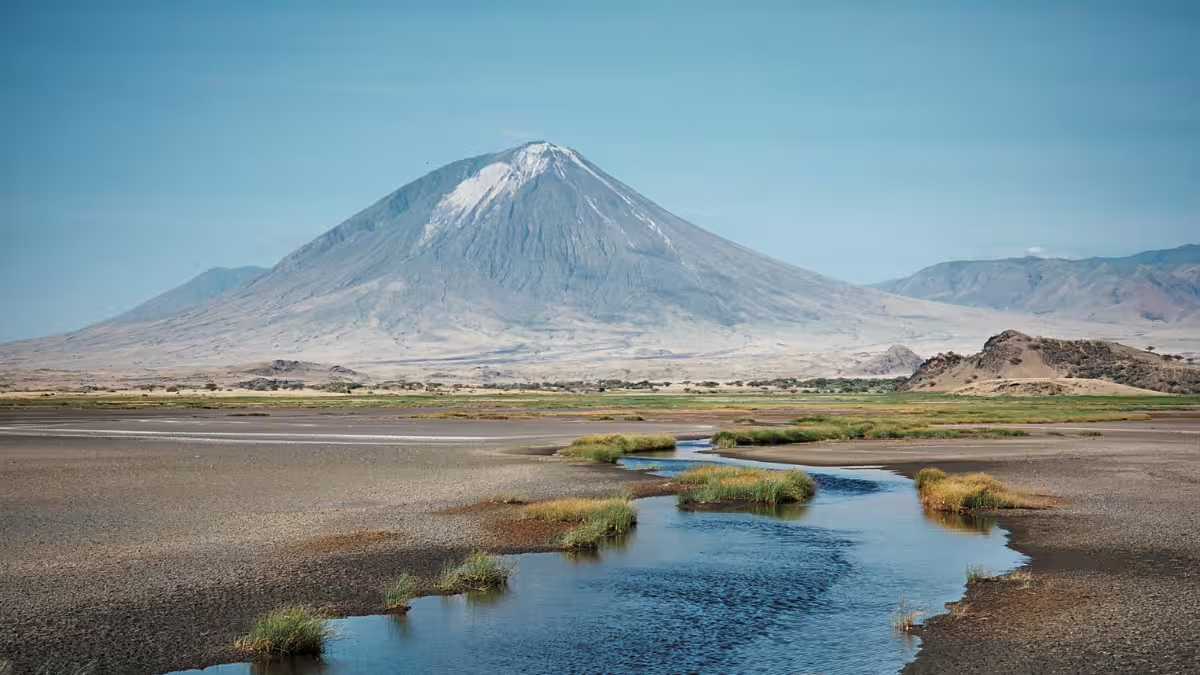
[
  {"x": 978, "y": 573},
  {"x": 928, "y": 476},
  {"x": 904, "y": 617},
  {"x": 963, "y": 492},
  {"x": 715, "y": 484},
  {"x": 286, "y": 632},
  {"x": 397, "y": 595},
  {"x": 611, "y": 447},
  {"x": 598, "y": 519},
  {"x": 479, "y": 572}
]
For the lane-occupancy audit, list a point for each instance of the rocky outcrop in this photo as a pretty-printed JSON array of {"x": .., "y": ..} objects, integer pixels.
[{"x": 1014, "y": 355}]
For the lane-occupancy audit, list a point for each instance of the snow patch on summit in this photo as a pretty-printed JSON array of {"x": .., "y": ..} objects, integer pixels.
[{"x": 471, "y": 198}]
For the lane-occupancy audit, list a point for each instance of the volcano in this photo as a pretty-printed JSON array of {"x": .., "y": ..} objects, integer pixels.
[{"x": 531, "y": 255}]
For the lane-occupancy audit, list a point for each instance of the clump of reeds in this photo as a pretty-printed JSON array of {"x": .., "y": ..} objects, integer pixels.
[
  {"x": 904, "y": 617},
  {"x": 479, "y": 572},
  {"x": 978, "y": 573},
  {"x": 397, "y": 595},
  {"x": 714, "y": 484},
  {"x": 611, "y": 447},
  {"x": 286, "y": 632},
  {"x": 963, "y": 492},
  {"x": 598, "y": 518}
]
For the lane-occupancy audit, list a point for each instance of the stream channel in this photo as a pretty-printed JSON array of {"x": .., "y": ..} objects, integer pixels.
[{"x": 796, "y": 589}]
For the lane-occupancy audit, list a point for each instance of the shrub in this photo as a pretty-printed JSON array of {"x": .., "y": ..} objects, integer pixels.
[
  {"x": 963, "y": 492},
  {"x": 288, "y": 631},
  {"x": 479, "y": 572},
  {"x": 399, "y": 593},
  {"x": 740, "y": 484}
]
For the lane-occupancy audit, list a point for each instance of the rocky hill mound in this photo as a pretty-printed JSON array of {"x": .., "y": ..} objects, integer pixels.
[
  {"x": 897, "y": 360},
  {"x": 1012, "y": 355}
]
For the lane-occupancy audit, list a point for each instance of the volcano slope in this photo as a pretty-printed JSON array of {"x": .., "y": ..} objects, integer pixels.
[{"x": 531, "y": 255}]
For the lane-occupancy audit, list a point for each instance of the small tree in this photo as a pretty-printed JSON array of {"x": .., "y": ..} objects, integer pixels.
[
  {"x": 1149, "y": 349},
  {"x": 211, "y": 386}
]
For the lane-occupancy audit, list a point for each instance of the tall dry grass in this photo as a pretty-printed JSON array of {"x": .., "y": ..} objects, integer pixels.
[{"x": 964, "y": 492}]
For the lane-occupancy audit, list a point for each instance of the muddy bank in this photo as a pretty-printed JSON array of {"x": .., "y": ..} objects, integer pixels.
[{"x": 138, "y": 543}]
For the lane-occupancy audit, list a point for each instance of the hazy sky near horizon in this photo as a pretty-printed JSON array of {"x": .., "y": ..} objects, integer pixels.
[{"x": 144, "y": 142}]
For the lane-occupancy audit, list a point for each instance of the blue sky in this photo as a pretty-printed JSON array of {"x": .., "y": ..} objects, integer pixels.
[{"x": 145, "y": 142}]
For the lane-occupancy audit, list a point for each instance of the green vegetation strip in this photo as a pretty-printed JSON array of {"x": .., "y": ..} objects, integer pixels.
[
  {"x": 716, "y": 484},
  {"x": 611, "y": 447},
  {"x": 840, "y": 428},
  {"x": 939, "y": 408}
]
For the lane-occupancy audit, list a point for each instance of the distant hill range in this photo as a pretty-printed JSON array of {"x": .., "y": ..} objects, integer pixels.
[
  {"x": 524, "y": 263},
  {"x": 1154, "y": 286},
  {"x": 198, "y": 290},
  {"x": 1013, "y": 362}
]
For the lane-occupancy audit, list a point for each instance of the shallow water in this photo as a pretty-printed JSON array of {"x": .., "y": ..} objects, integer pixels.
[{"x": 801, "y": 589}]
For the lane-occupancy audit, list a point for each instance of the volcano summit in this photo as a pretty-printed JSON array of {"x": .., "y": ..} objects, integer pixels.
[{"x": 530, "y": 256}]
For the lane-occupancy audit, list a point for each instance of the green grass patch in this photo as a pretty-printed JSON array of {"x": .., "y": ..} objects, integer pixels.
[
  {"x": 965, "y": 492},
  {"x": 611, "y": 447},
  {"x": 286, "y": 632},
  {"x": 479, "y": 572},
  {"x": 598, "y": 519},
  {"x": 716, "y": 484}
]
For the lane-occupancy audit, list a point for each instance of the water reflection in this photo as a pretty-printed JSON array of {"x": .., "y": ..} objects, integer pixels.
[
  {"x": 961, "y": 522},
  {"x": 296, "y": 666}
]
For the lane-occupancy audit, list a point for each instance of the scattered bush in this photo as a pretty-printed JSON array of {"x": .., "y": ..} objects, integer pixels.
[
  {"x": 479, "y": 572},
  {"x": 963, "y": 492},
  {"x": 288, "y": 631},
  {"x": 716, "y": 484}
]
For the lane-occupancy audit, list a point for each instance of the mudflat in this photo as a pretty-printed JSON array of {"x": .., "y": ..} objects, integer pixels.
[
  {"x": 142, "y": 541},
  {"x": 1116, "y": 567}
]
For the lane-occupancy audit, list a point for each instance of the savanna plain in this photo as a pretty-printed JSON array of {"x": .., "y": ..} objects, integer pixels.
[{"x": 144, "y": 535}]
